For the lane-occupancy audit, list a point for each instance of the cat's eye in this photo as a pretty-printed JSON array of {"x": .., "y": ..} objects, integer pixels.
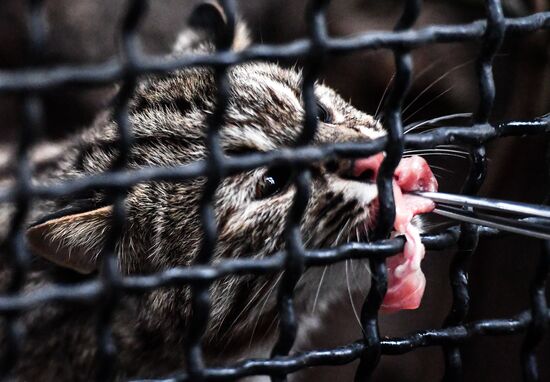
[
  {"x": 323, "y": 115},
  {"x": 273, "y": 182}
]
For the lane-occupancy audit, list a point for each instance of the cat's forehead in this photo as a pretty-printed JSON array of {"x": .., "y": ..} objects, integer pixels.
[
  {"x": 265, "y": 108},
  {"x": 260, "y": 77},
  {"x": 267, "y": 71},
  {"x": 269, "y": 97}
]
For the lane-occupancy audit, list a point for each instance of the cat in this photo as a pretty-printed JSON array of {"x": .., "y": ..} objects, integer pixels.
[{"x": 169, "y": 120}]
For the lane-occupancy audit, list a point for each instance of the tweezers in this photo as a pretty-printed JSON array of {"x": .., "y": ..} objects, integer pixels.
[{"x": 524, "y": 219}]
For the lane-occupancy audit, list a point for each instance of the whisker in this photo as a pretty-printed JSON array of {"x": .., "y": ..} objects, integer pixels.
[
  {"x": 351, "y": 299},
  {"x": 262, "y": 309},
  {"x": 441, "y": 169},
  {"x": 355, "y": 278},
  {"x": 441, "y": 149},
  {"x": 383, "y": 97},
  {"x": 428, "y": 103},
  {"x": 444, "y": 148},
  {"x": 423, "y": 72},
  {"x": 366, "y": 267},
  {"x": 441, "y": 152},
  {"x": 252, "y": 299},
  {"x": 342, "y": 230},
  {"x": 415, "y": 125},
  {"x": 275, "y": 319},
  {"x": 437, "y": 154},
  {"x": 319, "y": 289},
  {"x": 417, "y": 77},
  {"x": 429, "y": 227},
  {"x": 453, "y": 147},
  {"x": 436, "y": 81}
]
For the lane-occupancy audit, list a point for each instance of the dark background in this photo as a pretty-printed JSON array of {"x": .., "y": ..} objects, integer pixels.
[{"x": 85, "y": 31}]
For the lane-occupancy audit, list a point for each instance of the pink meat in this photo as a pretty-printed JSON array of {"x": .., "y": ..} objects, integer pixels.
[
  {"x": 414, "y": 174},
  {"x": 406, "y": 282}
]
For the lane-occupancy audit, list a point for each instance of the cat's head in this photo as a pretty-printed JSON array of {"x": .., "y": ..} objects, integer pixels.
[{"x": 169, "y": 117}]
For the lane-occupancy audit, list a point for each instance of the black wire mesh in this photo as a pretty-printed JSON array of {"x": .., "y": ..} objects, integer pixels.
[{"x": 108, "y": 288}]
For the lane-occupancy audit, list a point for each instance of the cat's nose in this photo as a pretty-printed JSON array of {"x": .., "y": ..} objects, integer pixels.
[
  {"x": 366, "y": 169},
  {"x": 412, "y": 174}
]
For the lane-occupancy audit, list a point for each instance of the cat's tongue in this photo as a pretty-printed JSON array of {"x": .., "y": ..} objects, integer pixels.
[{"x": 406, "y": 282}]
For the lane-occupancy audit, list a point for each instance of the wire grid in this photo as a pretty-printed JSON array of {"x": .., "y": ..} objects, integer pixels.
[{"x": 110, "y": 286}]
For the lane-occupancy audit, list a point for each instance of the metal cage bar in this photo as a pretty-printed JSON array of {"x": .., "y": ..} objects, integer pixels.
[{"x": 107, "y": 290}]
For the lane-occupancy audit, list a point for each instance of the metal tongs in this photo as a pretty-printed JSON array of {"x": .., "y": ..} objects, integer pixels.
[{"x": 521, "y": 218}]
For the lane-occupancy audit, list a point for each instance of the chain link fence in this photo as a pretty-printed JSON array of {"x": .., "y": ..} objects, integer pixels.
[{"x": 108, "y": 288}]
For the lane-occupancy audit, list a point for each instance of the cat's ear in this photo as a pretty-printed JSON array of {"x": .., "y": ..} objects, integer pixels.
[
  {"x": 208, "y": 28},
  {"x": 73, "y": 241}
]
